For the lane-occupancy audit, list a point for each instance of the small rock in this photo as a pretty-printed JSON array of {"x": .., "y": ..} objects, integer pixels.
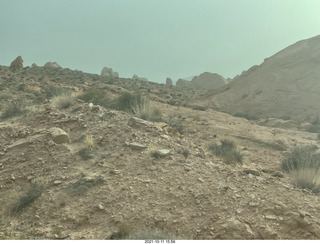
[
  {"x": 251, "y": 176},
  {"x": 252, "y": 171},
  {"x": 201, "y": 180},
  {"x": 57, "y": 182},
  {"x": 163, "y": 152},
  {"x": 271, "y": 217},
  {"x": 59, "y": 136},
  {"x": 165, "y": 137},
  {"x": 115, "y": 172},
  {"x": 13, "y": 177},
  {"x": 101, "y": 206},
  {"x": 137, "y": 146}
]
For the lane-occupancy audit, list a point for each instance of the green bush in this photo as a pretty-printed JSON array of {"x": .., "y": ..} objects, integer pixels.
[
  {"x": 33, "y": 194},
  {"x": 227, "y": 149}
]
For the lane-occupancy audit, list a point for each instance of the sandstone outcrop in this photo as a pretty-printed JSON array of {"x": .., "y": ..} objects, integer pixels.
[
  {"x": 169, "y": 82},
  {"x": 208, "y": 80},
  {"x": 52, "y": 65},
  {"x": 136, "y": 77},
  {"x": 183, "y": 83},
  {"x": 16, "y": 64},
  {"x": 108, "y": 72}
]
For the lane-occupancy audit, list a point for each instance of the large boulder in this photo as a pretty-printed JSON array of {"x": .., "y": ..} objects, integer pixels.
[
  {"x": 208, "y": 80},
  {"x": 16, "y": 64},
  {"x": 169, "y": 82},
  {"x": 137, "y": 78},
  {"x": 183, "y": 83},
  {"x": 108, "y": 72},
  {"x": 52, "y": 65}
]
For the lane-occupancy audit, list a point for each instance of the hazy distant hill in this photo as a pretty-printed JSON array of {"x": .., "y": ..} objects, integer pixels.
[{"x": 286, "y": 84}]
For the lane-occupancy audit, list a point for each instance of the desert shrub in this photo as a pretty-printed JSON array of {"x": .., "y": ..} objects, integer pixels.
[
  {"x": 86, "y": 153},
  {"x": 5, "y": 96},
  {"x": 301, "y": 158},
  {"x": 127, "y": 102},
  {"x": 146, "y": 111},
  {"x": 15, "y": 108},
  {"x": 306, "y": 178},
  {"x": 24, "y": 201},
  {"x": 154, "y": 152},
  {"x": 176, "y": 121},
  {"x": 52, "y": 91},
  {"x": 315, "y": 128},
  {"x": 95, "y": 96},
  {"x": 65, "y": 100},
  {"x": 227, "y": 149},
  {"x": 81, "y": 186},
  {"x": 302, "y": 166}
]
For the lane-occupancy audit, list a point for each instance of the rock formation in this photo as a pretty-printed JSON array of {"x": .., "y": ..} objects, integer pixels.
[
  {"x": 208, "y": 80},
  {"x": 52, "y": 65},
  {"x": 136, "y": 77},
  {"x": 169, "y": 82},
  {"x": 108, "y": 72},
  {"x": 286, "y": 84},
  {"x": 16, "y": 64},
  {"x": 183, "y": 83}
]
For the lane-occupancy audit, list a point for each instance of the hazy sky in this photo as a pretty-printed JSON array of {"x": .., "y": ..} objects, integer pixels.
[{"x": 153, "y": 38}]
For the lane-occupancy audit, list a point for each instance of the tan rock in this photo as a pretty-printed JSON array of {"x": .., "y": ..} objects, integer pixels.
[
  {"x": 59, "y": 136},
  {"x": 169, "y": 82},
  {"x": 16, "y": 64}
]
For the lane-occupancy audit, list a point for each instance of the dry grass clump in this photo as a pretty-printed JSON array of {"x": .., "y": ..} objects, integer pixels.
[
  {"x": 96, "y": 96},
  {"x": 63, "y": 101},
  {"x": 127, "y": 102},
  {"x": 27, "y": 199},
  {"x": 228, "y": 150},
  {"x": 303, "y": 168},
  {"x": 154, "y": 152},
  {"x": 145, "y": 110},
  {"x": 88, "y": 140}
]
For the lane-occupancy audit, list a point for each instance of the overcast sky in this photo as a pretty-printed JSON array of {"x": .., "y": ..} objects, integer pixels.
[{"x": 153, "y": 38}]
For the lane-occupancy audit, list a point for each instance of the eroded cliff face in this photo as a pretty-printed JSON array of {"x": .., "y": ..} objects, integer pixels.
[{"x": 284, "y": 85}]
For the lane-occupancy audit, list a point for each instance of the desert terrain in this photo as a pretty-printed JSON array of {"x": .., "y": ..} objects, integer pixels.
[{"x": 88, "y": 156}]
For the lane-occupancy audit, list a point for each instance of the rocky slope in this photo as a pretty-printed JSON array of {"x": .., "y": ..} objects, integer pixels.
[
  {"x": 284, "y": 85},
  {"x": 85, "y": 171}
]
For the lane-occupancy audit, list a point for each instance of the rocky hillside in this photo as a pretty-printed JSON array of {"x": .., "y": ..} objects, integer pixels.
[
  {"x": 76, "y": 165},
  {"x": 284, "y": 85}
]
